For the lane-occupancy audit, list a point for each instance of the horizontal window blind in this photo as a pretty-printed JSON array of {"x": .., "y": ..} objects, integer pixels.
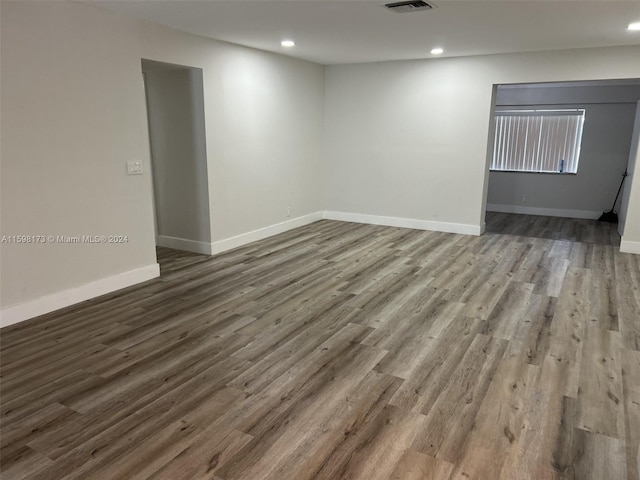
[{"x": 537, "y": 140}]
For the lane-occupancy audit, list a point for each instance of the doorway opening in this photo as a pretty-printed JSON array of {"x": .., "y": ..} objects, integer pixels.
[
  {"x": 558, "y": 153},
  {"x": 175, "y": 114}
]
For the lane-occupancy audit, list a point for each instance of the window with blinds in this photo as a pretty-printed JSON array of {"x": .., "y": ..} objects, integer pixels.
[{"x": 541, "y": 141}]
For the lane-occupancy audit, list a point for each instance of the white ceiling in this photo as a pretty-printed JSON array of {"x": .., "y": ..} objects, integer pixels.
[{"x": 353, "y": 31}]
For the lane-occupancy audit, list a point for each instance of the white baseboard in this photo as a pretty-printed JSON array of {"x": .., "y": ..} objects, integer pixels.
[
  {"x": 183, "y": 244},
  {"x": 466, "y": 229},
  {"x": 65, "y": 298},
  {"x": 244, "y": 238},
  {"x": 549, "y": 212},
  {"x": 627, "y": 246}
]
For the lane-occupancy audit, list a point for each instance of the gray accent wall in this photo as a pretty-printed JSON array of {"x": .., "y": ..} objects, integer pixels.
[{"x": 606, "y": 140}]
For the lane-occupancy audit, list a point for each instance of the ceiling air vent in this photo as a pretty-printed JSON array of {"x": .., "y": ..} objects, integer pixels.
[{"x": 404, "y": 7}]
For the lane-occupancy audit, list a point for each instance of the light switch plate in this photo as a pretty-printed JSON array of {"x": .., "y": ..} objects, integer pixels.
[{"x": 134, "y": 168}]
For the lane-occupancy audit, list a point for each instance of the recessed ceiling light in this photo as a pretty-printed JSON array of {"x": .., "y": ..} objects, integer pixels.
[
  {"x": 288, "y": 43},
  {"x": 634, "y": 26},
  {"x": 437, "y": 51}
]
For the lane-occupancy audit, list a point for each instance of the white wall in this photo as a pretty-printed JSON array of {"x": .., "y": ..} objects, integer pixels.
[
  {"x": 178, "y": 153},
  {"x": 264, "y": 117},
  {"x": 606, "y": 139},
  {"x": 629, "y": 226},
  {"x": 73, "y": 113},
  {"x": 631, "y": 166},
  {"x": 631, "y": 238},
  {"x": 408, "y": 139}
]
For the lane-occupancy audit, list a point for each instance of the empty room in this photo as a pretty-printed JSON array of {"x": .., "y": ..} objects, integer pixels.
[{"x": 319, "y": 239}]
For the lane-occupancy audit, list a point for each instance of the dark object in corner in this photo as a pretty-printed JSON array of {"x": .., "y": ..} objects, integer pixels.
[{"x": 609, "y": 215}]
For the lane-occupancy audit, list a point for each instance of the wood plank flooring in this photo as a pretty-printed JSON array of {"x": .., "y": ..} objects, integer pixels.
[
  {"x": 340, "y": 351},
  {"x": 554, "y": 228}
]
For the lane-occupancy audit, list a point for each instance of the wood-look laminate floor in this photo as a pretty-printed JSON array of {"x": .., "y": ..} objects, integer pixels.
[
  {"x": 339, "y": 351},
  {"x": 554, "y": 228}
]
